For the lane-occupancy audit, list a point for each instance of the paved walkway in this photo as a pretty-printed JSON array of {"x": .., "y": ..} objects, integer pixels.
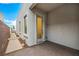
[
  {"x": 14, "y": 44},
  {"x": 46, "y": 49}
]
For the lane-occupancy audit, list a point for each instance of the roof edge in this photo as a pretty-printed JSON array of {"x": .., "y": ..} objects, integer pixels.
[{"x": 33, "y": 5}]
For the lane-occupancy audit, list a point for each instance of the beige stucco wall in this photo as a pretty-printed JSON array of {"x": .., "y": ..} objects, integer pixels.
[
  {"x": 30, "y": 36},
  {"x": 63, "y": 25},
  {"x": 39, "y": 12}
]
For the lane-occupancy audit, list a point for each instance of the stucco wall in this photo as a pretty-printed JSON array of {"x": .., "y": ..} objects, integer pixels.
[
  {"x": 30, "y": 36},
  {"x": 39, "y": 12},
  {"x": 4, "y": 35},
  {"x": 63, "y": 25}
]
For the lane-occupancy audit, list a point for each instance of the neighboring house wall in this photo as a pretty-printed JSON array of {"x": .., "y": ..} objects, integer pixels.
[
  {"x": 4, "y": 35},
  {"x": 63, "y": 26}
]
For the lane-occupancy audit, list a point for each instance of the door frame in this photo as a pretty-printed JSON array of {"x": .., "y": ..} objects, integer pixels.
[{"x": 43, "y": 38}]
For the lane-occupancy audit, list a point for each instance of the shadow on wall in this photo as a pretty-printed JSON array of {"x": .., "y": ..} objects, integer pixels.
[{"x": 63, "y": 25}]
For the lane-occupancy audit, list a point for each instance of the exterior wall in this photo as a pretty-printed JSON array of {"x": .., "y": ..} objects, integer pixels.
[
  {"x": 30, "y": 37},
  {"x": 4, "y": 35},
  {"x": 63, "y": 26},
  {"x": 44, "y": 15}
]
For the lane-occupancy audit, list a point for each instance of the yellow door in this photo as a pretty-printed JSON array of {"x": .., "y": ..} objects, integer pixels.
[{"x": 39, "y": 27}]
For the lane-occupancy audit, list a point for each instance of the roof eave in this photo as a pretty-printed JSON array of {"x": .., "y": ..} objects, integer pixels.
[{"x": 33, "y": 5}]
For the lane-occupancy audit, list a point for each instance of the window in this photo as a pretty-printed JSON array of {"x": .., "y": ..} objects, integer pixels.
[
  {"x": 25, "y": 25},
  {"x": 19, "y": 26}
]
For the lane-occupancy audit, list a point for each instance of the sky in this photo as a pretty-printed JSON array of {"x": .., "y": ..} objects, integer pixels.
[{"x": 10, "y": 12}]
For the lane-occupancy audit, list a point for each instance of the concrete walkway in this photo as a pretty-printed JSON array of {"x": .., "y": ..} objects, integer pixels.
[
  {"x": 14, "y": 44},
  {"x": 46, "y": 49}
]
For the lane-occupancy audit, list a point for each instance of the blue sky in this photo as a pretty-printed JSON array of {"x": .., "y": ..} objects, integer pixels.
[{"x": 10, "y": 12}]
